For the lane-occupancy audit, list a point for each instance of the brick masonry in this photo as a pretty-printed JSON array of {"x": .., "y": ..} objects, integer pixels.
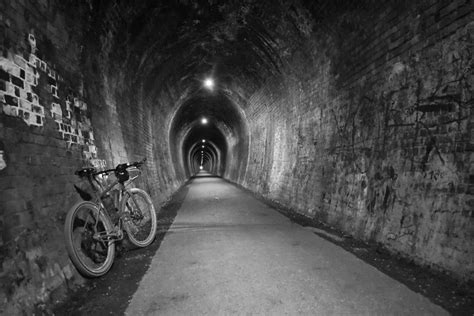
[
  {"x": 377, "y": 139},
  {"x": 53, "y": 120},
  {"x": 367, "y": 126}
]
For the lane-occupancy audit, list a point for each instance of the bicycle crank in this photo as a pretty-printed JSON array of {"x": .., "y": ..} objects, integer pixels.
[{"x": 117, "y": 234}]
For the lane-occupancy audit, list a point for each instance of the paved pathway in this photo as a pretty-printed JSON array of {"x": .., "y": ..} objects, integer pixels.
[{"x": 228, "y": 253}]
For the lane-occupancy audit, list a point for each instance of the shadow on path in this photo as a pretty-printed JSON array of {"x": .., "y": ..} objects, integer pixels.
[{"x": 110, "y": 294}]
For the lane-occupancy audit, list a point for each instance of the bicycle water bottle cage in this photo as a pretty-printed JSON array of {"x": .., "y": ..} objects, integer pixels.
[
  {"x": 121, "y": 172},
  {"x": 85, "y": 172}
]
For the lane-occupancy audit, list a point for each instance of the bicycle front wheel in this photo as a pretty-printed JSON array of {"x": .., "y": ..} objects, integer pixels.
[
  {"x": 140, "y": 217},
  {"x": 85, "y": 225}
]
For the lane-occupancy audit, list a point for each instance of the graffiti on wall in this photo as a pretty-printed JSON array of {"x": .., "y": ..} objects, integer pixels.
[{"x": 402, "y": 170}]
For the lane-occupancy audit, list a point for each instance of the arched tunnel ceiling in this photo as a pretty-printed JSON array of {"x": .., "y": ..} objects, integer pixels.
[
  {"x": 173, "y": 45},
  {"x": 215, "y": 107},
  {"x": 206, "y": 155},
  {"x": 215, "y": 147},
  {"x": 225, "y": 129},
  {"x": 177, "y": 42}
]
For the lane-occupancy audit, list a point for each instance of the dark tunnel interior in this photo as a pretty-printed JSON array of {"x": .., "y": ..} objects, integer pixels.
[
  {"x": 198, "y": 41},
  {"x": 356, "y": 115},
  {"x": 220, "y": 140}
]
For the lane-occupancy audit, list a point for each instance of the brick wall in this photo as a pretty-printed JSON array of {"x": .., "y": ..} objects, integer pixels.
[
  {"x": 62, "y": 106},
  {"x": 46, "y": 133},
  {"x": 371, "y": 130}
]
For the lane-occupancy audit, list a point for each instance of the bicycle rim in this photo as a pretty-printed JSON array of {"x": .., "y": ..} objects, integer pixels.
[
  {"x": 140, "y": 217},
  {"x": 91, "y": 257}
]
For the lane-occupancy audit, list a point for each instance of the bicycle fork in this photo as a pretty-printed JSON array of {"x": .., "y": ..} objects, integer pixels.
[{"x": 133, "y": 208}]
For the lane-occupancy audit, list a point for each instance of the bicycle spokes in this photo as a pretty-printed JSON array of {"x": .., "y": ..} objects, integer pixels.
[
  {"x": 86, "y": 227},
  {"x": 136, "y": 209},
  {"x": 139, "y": 217}
]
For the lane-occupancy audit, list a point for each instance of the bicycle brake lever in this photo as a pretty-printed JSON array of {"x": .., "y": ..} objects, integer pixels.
[{"x": 138, "y": 163}]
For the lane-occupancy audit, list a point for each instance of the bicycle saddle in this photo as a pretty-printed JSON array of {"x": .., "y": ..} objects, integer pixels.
[{"x": 84, "y": 172}]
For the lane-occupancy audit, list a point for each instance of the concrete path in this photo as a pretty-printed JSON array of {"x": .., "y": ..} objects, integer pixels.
[{"x": 228, "y": 253}]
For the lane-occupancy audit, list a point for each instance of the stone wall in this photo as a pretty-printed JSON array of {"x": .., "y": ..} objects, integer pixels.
[{"x": 371, "y": 130}]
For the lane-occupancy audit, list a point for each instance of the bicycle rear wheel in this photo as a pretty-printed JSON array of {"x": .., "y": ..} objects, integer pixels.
[
  {"x": 140, "y": 217},
  {"x": 92, "y": 256}
]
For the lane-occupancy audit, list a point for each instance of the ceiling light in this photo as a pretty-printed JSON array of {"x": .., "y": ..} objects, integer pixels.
[
  {"x": 204, "y": 120},
  {"x": 203, "y": 140},
  {"x": 209, "y": 83}
]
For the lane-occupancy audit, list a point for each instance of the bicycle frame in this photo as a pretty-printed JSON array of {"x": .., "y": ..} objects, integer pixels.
[
  {"x": 101, "y": 193},
  {"x": 110, "y": 211}
]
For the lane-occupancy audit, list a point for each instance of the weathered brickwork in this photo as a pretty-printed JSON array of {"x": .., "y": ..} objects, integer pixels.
[
  {"x": 58, "y": 112},
  {"x": 362, "y": 119},
  {"x": 46, "y": 131},
  {"x": 377, "y": 138}
]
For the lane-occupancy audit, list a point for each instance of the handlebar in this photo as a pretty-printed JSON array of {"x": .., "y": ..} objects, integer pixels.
[{"x": 93, "y": 172}]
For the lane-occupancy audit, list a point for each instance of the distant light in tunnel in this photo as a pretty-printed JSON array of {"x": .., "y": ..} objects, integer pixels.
[
  {"x": 203, "y": 140},
  {"x": 209, "y": 83},
  {"x": 200, "y": 167},
  {"x": 202, "y": 146},
  {"x": 204, "y": 120}
]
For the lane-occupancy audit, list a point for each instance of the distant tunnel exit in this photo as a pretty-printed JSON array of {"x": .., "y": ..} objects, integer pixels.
[{"x": 220, "y": 145}]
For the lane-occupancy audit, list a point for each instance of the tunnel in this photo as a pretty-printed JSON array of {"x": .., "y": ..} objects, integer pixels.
[
  {"x": 208, "y": 130},
  {"x": 352, "y": 118}
]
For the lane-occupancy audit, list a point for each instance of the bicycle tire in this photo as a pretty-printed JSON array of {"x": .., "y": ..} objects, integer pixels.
[
  {"x": 139, "y": 223},
  {"x": 82, "y": 249}
]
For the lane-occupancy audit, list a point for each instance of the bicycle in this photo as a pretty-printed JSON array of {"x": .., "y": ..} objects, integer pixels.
[{"x": 93, "y": 226}]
